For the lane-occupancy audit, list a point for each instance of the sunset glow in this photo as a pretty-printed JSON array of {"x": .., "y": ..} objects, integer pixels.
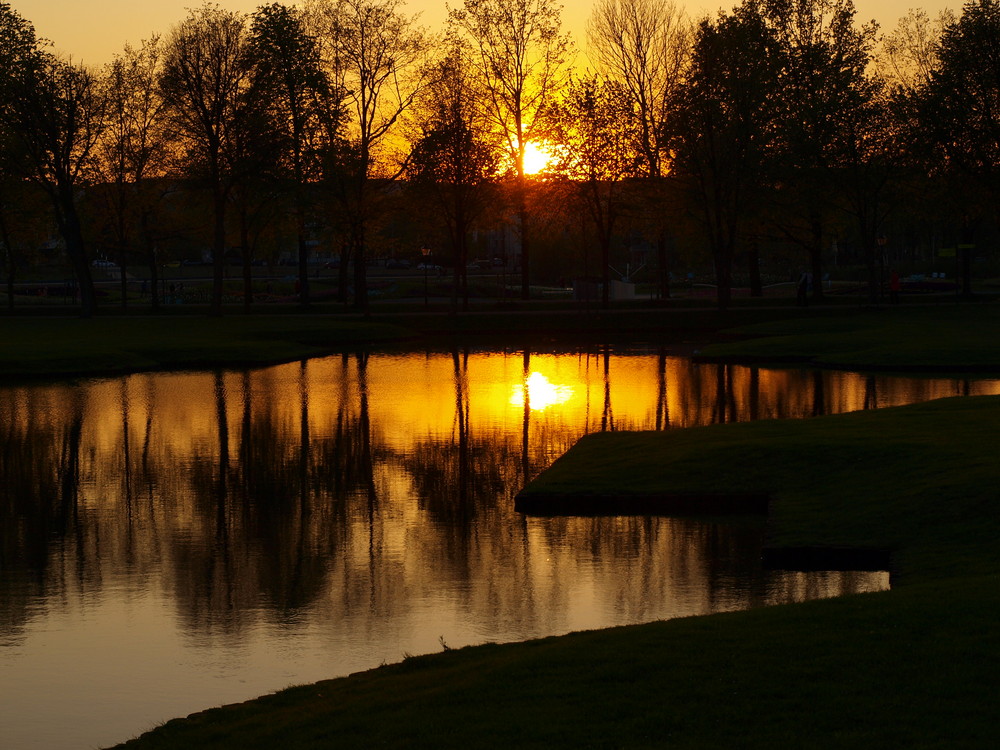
[{"x": 537, "y": 158}]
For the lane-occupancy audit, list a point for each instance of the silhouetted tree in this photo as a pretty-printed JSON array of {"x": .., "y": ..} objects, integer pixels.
[
  {"x": 289, "y": 79},
  {"x": 595, "y": 129},
  {"x": 645, "y": 45},
  {"x": 521, "y": 59},
  {"x": 823, "y": 85},
  {"x": 133, "y": 154},
  {"x": 960, "y": 107},
  {"x": 909, "y": 53},
  {"x": 725, "y": 127},
  {"x": 57, "y": 112},
  {"x": 454, "y": 156},
  {"x": 373, "y": 54},
  {"x": 205, "y": 81}
]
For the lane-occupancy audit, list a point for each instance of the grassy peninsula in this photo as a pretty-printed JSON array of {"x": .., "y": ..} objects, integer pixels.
[{"x": 913, "y": 667}]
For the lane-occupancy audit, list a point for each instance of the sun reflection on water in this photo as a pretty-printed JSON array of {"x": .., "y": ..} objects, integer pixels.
[{"x": 541, "y": 393}]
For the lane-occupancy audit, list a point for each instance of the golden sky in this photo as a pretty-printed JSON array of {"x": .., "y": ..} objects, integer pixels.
[{"x": 92, "y": 33}]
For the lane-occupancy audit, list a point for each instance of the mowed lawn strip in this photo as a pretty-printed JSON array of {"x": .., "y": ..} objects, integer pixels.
[
  {"x": 932, "y": 338},
  {"x": 61, "y": 347},
  {"x": 914, "y": 667}
]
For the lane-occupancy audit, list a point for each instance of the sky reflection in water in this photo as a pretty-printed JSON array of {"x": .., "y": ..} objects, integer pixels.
[{"x": 176, "y": 541}]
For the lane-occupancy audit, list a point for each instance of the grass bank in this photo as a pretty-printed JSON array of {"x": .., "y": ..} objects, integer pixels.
[
  {"x": 60, "y": 347},
  {"x": 66, "y": 346},
  {"x": 913, "y": 667},
  {"x": 943, "y": 337}
]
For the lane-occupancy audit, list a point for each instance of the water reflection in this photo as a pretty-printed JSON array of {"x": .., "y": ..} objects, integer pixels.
[{"x": 225, "y": 534}]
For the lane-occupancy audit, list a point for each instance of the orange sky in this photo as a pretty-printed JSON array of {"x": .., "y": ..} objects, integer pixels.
[{"x": 92, "y": 33}]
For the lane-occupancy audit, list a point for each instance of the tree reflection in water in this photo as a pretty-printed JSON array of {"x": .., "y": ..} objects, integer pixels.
[{"x": 362, "y": 504}]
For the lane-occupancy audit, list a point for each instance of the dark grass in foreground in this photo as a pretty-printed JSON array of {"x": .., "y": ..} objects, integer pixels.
[{"x": 915, "y": 667}]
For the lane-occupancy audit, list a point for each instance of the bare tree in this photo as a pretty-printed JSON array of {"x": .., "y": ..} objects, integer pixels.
[
  {"x": 522, "y": 56},
  {"x": 645, "y": 46},
  {"x": 133, "y": 154},
  {"x": 909, "y": 53},
  {"x": 373, "y": 53},
  {"x": 205, "y": 81}
]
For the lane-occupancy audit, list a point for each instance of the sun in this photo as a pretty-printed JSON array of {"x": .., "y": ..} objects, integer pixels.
[{"x": 537, "y": 158}]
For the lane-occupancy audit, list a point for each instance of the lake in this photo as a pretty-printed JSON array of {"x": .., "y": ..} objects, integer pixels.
[{"x": 175, "y": 541}]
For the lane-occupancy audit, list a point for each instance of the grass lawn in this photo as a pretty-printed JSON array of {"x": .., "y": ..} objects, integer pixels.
[
  {"x": 937, "y": 337},
  {"x": 33, "y": 347}
]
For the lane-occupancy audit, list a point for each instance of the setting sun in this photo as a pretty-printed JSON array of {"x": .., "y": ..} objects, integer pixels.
[{"x": 537, "y": 158}]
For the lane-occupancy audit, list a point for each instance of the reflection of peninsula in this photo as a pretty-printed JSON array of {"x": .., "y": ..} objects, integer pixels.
[{"x": 356, "y": 493}]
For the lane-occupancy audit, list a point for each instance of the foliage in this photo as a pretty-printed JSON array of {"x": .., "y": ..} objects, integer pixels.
[
  {"x": 287, "y": 76},
  {"x": 784, "y": 128},
  {"x": 56, "y": 115},
  {"x": 454, "y": 156},
  {"x": 962, "y": 98},
  {"x": 596, "y": 136},
  {"x": 726, "y": 126}
]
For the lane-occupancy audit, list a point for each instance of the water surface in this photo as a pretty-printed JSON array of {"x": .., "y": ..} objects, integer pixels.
[{"x": 171, "y": 542}]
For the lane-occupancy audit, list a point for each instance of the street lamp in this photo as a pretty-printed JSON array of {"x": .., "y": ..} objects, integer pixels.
[{"x": 425, "y": 251}]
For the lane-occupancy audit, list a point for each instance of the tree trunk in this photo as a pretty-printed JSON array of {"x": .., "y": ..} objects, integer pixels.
[
  {"x": 816, "y": 256},
  {"x": 871, "y": 261},
  {"x": 123, "y": 272},
  {"x": 753, "y": 261},
  {"x": 522, "y": 213},
  {"x": 663, "y": 264},
  {"x": 247, "y": 267},
  {"x": 218, "y": 250},
  {"x": 724, "y": 276},
  {"x": 11, "y": 267},
  {"x": 605, "y": 270},
  {"x": 967, "y": 250},
  {"x": 345, "y": 258},
  {"x": 360, "y": 273},
  {"x": 303, "y": 253},
  {"x": 73, "y": 235}
]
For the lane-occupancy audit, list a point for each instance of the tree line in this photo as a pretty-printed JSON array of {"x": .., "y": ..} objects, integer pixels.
[{"x": 777, "y": 121}]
